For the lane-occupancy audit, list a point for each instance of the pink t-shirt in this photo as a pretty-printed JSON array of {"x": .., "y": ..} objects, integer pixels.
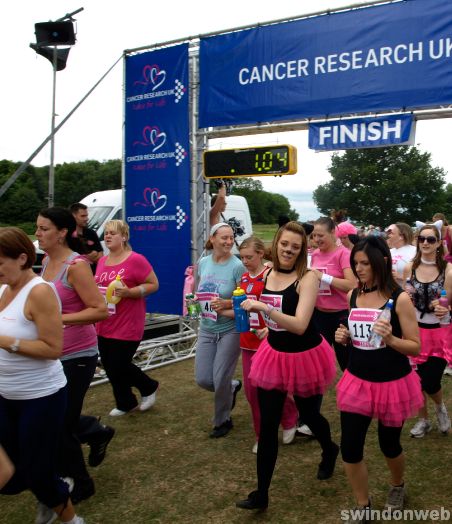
[
  {"x": 127, "y": 322},
  {"x": 333, "y": 263}
]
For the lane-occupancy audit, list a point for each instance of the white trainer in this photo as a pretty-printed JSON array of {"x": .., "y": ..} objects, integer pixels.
[
  {"x": 45, "y": 515},
  {"x": 304, "y": 430},
  {"x": 256, "y": 445},
  {"x": 115, "y": 412},
  {"x": 288, "y": 435},
  {"x": 448, "y": 371},
  {"x": 421, "y": 428},
  {"x": 443, "y": 418},
  {"x": 148, "y": 402}
]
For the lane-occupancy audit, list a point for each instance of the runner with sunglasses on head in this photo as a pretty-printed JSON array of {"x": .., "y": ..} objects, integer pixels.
[{"x": 428, "y": 274}]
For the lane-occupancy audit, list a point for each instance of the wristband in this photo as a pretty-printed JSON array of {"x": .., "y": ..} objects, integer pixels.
[
  {"x": 142, "y": 290},
  {"x": 270, "y": 308},
  {"x": 326, "y": 279}
]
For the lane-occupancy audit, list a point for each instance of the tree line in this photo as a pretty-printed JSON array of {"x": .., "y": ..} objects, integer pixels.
[
  {"x": 385, "y": 185},
  {"x": 21, "y": 203}
]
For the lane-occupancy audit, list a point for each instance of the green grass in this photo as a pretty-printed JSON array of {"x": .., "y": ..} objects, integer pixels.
[
  {"x": 162, "y": 468},
  {"x": 265, "y": 232}
]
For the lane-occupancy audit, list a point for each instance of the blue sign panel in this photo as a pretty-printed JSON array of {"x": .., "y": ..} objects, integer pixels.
[
  {"x": 361, "y": 132},
  {"x": 157, "y": 168},
  {"x": 384, "y": 57}
]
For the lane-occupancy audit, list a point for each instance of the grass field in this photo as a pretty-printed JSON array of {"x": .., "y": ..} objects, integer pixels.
[
  {"x": 265, "y": 232},
  {"x": 162, "y": 468}
]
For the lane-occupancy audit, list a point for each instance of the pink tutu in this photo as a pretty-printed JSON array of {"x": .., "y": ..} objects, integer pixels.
[
  {"x": 447, "y": 337},
  {"x": 390, "y": 402},
  {"x": 303, "y": 374},
  {"x": 432, "y": 344}
]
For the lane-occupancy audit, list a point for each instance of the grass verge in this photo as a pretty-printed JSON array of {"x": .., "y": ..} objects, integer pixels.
[{"x": 162, "y": 468}]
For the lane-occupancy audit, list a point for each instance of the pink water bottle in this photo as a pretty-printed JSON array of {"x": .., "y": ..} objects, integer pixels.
[{"x": 444, "y": 301}]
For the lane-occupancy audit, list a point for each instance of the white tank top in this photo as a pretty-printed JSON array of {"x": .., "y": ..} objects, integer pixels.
[{"x": 23, "y": 377}]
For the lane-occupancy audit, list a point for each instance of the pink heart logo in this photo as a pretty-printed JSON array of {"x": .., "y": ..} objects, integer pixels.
[
  {"x": 156, "y": 76},
  {"x": 153, "y": 198},
  {"x": 157, "y": 138}
]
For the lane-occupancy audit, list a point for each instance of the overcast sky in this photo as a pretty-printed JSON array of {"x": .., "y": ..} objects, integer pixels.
[{"x": 104, "y": 30}]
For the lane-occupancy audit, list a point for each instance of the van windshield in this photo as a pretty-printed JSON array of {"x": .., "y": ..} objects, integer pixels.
[{"x": 98, "y": 215}]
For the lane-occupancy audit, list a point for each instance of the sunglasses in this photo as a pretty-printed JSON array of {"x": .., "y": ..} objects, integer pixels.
[{"x": 430, "y": 239}]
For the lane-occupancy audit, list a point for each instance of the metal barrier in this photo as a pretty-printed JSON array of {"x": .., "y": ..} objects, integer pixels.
[{"x": 159, "y": 351}]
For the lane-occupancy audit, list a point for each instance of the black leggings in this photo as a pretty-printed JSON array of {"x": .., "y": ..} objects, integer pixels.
[
  {"x": 271, "y": 404},
  {"x": 354, "y": 429},
  {"x": 431, "y": 373}
]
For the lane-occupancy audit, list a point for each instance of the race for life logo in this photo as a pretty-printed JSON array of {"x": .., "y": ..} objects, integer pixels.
[
  {"x": 153, "y": 198},
  {"x": 156, "y": 201},
  {"x": 153, "y": 77},
  {"x": 155, "y": 139}
]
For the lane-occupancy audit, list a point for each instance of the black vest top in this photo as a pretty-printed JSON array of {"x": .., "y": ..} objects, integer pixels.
[
  {"x": 383, "y": 364},
  {"x": 285, "y": 341}
]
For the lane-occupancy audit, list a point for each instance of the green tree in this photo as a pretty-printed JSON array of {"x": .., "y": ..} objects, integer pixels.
[
  {"x": 383, "y": 185},
  {"x": 448, "y": 203}
]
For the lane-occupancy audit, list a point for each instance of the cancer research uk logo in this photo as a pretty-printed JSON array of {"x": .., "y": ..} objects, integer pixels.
[
  {"x": 155, "y": 201},
  {"x": 153, "y": 77},
  {"x": 154, "y": 139}
]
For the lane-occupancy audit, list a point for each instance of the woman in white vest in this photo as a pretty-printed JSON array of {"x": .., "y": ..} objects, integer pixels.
[{"x": 32, "y": 381}]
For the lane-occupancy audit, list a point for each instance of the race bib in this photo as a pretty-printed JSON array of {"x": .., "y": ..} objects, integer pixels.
[
  {"x": 276, "y": 302},
  {"x": 324, "y": 289},
  {"x": 360, "y": 324},
  {"x": 205, "y": 300},
  {"x": 253, "y": 316},
  {"x": 111, "y": 308}
]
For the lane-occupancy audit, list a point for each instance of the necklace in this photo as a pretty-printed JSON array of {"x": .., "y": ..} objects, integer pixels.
[
  {"x": 366, "y": 289},
  {"x": 428, "y": 262},
  {"x": 286, "y": 271}
]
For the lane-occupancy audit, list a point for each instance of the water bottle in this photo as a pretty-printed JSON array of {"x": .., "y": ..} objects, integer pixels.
[
  {"x": 242, "y": 323},
  {"x": 374, "y": 338},
  {"x": 110, "y": 295},
  {"x": 410, "y": 289},
  {"x": 444, "y": 301},
  {"x": 192, "y": 310}
]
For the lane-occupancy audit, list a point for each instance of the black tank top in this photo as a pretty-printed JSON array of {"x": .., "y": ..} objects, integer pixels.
[
  {"x": 285, "y": 341},
  {"x": 383, "y": 364}
]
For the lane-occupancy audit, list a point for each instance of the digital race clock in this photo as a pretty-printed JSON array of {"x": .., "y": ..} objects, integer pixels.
[{"x": 250, "y": 161}]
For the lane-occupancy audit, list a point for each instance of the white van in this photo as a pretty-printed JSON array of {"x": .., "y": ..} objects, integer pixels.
[
  {"x": 102, "y": 207},
  {"x": 107, "y": 205}
]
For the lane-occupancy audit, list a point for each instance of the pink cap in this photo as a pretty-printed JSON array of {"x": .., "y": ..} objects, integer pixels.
[{"x": 345, "y": 228}]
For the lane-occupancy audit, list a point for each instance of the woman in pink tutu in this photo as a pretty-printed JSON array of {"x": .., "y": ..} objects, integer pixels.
[
  {"x": 378, "y": 382},
  {"x": 252, "y": 251},
  {"x": 429, "y": 274},
  {"x": 294, "y": 359}
]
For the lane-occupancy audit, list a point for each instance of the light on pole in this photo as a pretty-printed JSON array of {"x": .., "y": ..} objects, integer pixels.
[{"x": 49, "y": 36}]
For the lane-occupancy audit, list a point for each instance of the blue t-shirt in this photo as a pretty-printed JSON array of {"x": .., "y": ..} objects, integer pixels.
[{"x": 221, "y": 278}]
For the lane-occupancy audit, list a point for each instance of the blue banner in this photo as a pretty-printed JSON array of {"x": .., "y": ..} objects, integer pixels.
[
  {"x": 362, "y": 132},
  {"x": 384, "y": 57},
  {"x": 157, "y": 168}
]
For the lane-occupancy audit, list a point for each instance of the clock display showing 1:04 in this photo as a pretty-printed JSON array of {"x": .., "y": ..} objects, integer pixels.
[{"x": 250, "y": 161}]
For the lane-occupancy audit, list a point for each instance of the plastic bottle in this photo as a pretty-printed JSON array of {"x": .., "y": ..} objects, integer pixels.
[
  {"x": 410, "y": 289},
  {"x": 242, "y": 323},
  {"x": 110, "y": 295},
  {"x": 444, "y": 301},
  {"x": 192, "y": 310},
  {"x": 374, "y": 338}
]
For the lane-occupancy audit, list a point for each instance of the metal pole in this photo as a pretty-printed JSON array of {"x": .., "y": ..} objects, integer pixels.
[
  {"x": 27, "y": 162},
  {"x": 52, "y": 133}
]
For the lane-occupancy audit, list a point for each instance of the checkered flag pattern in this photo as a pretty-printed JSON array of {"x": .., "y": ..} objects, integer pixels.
[
  {"x": 179, "y": 154},
  {"x": 179, "y": 90},
  {"x": 181, "y": 217}
]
